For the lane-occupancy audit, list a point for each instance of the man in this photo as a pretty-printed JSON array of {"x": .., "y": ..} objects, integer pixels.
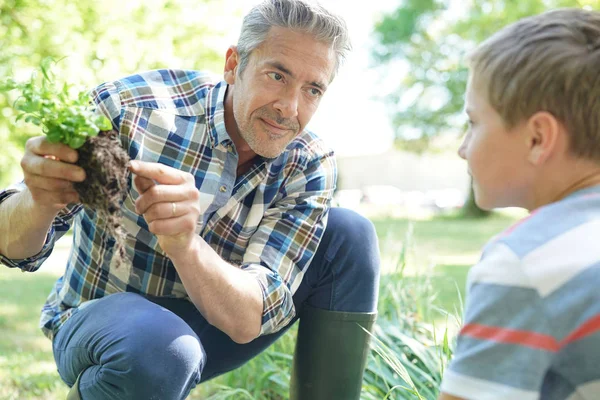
[{"x": 230, "y": 236}]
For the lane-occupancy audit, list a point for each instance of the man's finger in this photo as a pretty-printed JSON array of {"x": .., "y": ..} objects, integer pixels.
[
  {"x": 50, "y": 184},
  {"x": 41, "y": 146},
  {"x": 161, "y": 194},
  {"x": 171, "y": 226},
  {"x": 50, "y": 197},
  {"x": 143, "y": 184},
  {"x": 157, "y": 172},
  {"x": 53, "y": 169},
  {"x": 166, "y": 210}
]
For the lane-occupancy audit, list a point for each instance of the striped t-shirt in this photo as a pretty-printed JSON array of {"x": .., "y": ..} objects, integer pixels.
[{"x": 532, "y": 318}]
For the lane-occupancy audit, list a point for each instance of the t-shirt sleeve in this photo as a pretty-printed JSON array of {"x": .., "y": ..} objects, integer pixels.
[{"x": 505, "y": 346}]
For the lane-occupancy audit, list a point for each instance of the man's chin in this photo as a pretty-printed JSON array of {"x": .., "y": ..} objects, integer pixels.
[{"x": 269, "y": 153}]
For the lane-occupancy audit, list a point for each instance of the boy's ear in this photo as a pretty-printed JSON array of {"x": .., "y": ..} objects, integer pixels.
[
  {"x": 231, "y": 64},
  {"x": 543, "y": 129}
]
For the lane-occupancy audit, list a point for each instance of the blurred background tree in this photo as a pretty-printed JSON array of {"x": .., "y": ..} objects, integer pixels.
[
  {"x": 104, "y": 40},
  {"x": 430, "y": 40}
]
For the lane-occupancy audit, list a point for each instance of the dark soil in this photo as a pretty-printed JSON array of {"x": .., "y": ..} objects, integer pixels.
[{"x": 105, "y": 186}]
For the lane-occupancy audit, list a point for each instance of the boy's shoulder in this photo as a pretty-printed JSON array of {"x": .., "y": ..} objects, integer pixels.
[
  {"x": 547, "y": 250},
  {"x": 564, "y": 225}
]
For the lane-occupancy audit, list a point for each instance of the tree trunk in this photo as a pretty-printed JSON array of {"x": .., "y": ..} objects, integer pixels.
[{"x": 470, "y": 208}]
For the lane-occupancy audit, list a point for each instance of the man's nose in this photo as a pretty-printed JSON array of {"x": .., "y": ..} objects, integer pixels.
[{"x": 287, "y": 104}]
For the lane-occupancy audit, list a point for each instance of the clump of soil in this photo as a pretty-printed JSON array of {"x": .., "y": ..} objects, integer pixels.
[{"x": 105, "y": 186}]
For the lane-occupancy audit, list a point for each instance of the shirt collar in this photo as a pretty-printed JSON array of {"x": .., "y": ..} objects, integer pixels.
[
  {"x": 215, "y": 112},
  {"x": 588, "y": 191}
]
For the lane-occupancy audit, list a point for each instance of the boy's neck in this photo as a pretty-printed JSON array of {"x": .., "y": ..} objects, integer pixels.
[
  {"x": 589, "y": 180},
  {"x": 568, "y": 179}
]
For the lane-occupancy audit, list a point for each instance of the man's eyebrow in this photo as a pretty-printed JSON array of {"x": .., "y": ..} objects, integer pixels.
[{"x": 282, "y": 68}]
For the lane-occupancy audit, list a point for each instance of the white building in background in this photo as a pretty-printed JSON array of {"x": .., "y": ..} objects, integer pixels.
[{"x": 402, "y": 179}]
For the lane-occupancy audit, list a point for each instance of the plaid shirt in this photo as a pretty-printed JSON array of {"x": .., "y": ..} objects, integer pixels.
[{"x": 268, "y": 221}]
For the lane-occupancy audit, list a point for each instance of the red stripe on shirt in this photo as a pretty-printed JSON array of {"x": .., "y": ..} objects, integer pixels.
[
  {"x": 514, "y": 226},
  {"x": 588, "y": 328},
  {"x": 511, "y": 336}
]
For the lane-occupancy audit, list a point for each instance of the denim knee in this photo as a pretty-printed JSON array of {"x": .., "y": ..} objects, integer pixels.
[
  {"x": 162, "y": 359},
  {"x": 357, "y": 244},
  {"x": 349, "y": 254}
]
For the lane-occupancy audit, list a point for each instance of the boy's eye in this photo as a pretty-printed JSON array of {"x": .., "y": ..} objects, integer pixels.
[{"x": 275, "y": 76}]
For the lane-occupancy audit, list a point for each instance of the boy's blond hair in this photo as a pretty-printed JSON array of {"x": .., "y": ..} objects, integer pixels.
[{"x": 549, "y": 62}]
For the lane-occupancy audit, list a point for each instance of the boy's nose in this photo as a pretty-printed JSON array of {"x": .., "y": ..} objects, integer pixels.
[{"x": 462, "y": 150}]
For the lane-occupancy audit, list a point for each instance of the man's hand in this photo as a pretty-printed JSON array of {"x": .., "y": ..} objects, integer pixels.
[
  {"x": 49, "y": 173},
  {"x": 26, "y": 217},
  {"x": 169, "y": 202}
]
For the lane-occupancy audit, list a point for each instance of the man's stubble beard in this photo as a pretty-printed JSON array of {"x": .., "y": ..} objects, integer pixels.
[{"x": 249, "y": 134}]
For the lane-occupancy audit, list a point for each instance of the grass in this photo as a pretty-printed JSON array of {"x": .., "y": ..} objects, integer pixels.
[
  {"x": 27, "y": 369},
  {"x": 442, "y": 248},
  {"x": 440, "y": 239},
  {"x": 425, "y": 263}
]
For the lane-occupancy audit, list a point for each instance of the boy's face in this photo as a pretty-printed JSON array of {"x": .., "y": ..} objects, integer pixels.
[
  {"x": 497, "y": 157},
  {"x": 280, "y": 89}
]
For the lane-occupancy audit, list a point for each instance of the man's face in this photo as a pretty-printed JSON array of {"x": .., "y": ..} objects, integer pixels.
[
  {"x": 280, "y": 89},
  {"x": 497, "y": 157}
]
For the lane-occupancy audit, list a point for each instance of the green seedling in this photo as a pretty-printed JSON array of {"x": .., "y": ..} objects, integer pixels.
[{"x": 63, "y": 116}]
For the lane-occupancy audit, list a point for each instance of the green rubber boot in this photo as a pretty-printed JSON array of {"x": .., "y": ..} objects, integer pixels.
[
  {"x": 74, "y": 391},
  {"x": 331, "y": 353}
]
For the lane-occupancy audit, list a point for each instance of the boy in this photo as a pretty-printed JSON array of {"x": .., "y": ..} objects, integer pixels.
[{"x": 532, "y": 319}]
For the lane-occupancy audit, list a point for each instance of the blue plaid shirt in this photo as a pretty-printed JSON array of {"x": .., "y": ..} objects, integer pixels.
[{"x": 268, "y": 221}]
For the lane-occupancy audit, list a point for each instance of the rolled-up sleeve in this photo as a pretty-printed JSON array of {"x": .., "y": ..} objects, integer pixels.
[
  {"x": 60, "y": 226},
  {"x": 287, "y": 239}
]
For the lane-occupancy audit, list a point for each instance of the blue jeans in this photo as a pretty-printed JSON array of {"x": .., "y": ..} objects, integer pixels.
[{"x": 127, "y": 346}]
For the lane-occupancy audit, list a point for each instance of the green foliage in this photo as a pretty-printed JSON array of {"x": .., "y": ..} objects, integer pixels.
[
  {"x": 408, "y": 356},
  {"x": 104, "y": 40},
  {"x": 431, "y": 39},
  {"x": 399, "y": 26},
  {"x": 27, "y": 369},
  {"x": 64, "y": 117},
  {"x": 266, "y": 377}
]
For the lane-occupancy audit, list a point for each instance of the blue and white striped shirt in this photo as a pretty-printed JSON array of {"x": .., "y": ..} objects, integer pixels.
[{"x": 532, "y": 318}]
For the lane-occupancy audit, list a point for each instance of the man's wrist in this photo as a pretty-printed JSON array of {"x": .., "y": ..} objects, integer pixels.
[{"x": 187, "y": 254}]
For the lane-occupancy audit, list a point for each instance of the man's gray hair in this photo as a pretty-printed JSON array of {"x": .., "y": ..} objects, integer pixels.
[{"x": 297, "y": 15}]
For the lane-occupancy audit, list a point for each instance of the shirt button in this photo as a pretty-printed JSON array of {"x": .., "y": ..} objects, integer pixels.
[{"x": 223, "y": 189}]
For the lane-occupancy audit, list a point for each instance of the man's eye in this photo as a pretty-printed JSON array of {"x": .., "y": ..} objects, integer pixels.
[
  {"x": 315, "y": 92},
  {"x": 275, "y": 76}
]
